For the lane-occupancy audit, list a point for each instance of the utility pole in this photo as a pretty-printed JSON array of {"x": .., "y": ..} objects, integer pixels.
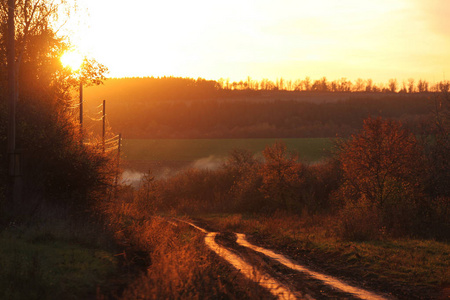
[
  {"x": 81, "y": 110},
  {"x": 13, "y": 159},
  {"x": 104, "y": 125}
]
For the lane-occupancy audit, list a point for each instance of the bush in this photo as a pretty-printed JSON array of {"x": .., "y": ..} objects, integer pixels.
[
  {"x": 359, "y": 222},
  {"x": 382, "y": 168}
]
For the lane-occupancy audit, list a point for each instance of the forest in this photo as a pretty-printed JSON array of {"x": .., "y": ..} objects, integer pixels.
[{"x": 188, "y": 108}]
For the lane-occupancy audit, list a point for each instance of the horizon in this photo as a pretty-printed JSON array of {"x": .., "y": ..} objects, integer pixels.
[
  {"x": 315, "y": 85},
  {"x": 288, "y": 39},
  {"x": 329, "y": 80}
]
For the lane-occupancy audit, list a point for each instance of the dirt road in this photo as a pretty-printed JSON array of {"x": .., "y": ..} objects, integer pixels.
[{"x": 282, "y": 276}]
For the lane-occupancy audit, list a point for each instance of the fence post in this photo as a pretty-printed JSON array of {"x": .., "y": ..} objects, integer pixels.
[{"x": 118, "y": 160}]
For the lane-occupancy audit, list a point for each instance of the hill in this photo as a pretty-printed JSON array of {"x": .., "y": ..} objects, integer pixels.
[{"x": 188, "y": 108}]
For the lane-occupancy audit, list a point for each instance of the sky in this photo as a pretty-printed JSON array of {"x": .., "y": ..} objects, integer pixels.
[{"x": 291, "y": 39}]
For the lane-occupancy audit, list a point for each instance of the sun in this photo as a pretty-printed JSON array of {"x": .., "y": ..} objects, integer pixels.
[{"x": 72, "y": 59}]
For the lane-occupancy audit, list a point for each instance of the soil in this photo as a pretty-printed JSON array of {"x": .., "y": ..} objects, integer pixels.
[{"x": 327, "y": 263}]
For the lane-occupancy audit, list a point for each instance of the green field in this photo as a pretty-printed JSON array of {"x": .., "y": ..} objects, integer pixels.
[{"x": 309, "y": 149}]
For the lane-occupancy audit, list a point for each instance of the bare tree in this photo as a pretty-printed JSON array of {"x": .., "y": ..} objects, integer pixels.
[
  {"x": 359, "y": 85},
  {"x": 422, "y": 86},
  {"x": 369, "y": 85},
  {"x": 411, "y": 87},
  {"x": 393, "y": 85},
  {"x": 307, "y": 83}
]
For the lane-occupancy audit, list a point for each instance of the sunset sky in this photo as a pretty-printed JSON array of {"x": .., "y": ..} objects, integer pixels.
[{"x": 268, "y": 39}]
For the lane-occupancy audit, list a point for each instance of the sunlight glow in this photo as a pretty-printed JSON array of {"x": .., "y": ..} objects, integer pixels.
[
  {"x": 72, "y": 60},
  {"x": 265, "y": 39}
]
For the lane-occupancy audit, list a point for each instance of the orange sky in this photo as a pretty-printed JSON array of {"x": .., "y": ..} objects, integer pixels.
[{"x": 268, "y": 39}]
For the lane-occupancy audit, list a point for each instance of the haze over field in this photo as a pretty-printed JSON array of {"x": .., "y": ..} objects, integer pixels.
[{"x": 267, "y": 39}]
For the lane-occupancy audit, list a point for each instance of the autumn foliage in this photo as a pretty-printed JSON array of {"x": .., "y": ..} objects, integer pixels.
[
  {"x": 377, "y": 184},
  {"x": 382, "y": 164},
  {"x": 59, "y": 166},
  {"x": 382, "y": 181},
  {"x": 281, "y": 174}
]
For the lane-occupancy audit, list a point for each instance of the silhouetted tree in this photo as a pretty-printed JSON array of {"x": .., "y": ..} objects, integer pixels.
[
  {"x": 439, "y": 147},
  {"x": 403, "y": 88},
  {"x": 443, "y": 86},
  {"x": 393, "y": 85},
  {"x": 382, "y": 164},
  {"x": 422, "y": 86},
  {"x": 56, "y": 166},
  {"x": 411, "y": 87},
  {"x": 359, "y": 85},
  {"x": 280, "y": 174},
  {"x": 320, "y": 85},
  {"x": 307, "y": 83},
  {"x": 246, "y": 180},
  {"x": 344, "y": 85}
]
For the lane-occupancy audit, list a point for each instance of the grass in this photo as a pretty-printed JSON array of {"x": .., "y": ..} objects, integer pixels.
[
  {"x": 309, "y": 149},
  {"x": 180, "y": 266},
  {"x": 51, "y": 262},
  {"x": 408, "y": 267}
]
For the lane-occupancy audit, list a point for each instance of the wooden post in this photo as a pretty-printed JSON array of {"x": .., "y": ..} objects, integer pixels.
[
  {"x": 118, "y": 158},
  {"x": 104, "y": 125},
  {"x": 11, "y": 57},
  {"x": 13, "y": 158}
]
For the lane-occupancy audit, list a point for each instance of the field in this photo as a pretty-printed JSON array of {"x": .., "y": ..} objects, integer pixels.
[
  {"x": 189, "y": 150},
  {"x": 56, "y": 259}
]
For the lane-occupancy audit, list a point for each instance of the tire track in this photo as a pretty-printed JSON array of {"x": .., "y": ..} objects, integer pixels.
[
  {"x": 328, "y": 280},
  {"x": 274, "y": 286}
]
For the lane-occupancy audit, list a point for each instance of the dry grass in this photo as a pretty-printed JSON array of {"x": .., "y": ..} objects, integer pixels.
[{"x": 179, "y": 265}]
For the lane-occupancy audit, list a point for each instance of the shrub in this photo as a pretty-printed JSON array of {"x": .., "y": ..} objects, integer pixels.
[
  {"x": 382, "y": 167},
  {"x": 359, "y": 222},
  {"x": 281, "y": 176}
]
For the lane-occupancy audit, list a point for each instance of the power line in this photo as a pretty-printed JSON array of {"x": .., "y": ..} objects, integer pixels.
[
  {"x": 114, "y": 137},
  {"x": 93, "y": 119}
]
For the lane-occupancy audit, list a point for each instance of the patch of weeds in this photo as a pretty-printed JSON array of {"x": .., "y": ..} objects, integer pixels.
[{"x": 41, "y": 266}]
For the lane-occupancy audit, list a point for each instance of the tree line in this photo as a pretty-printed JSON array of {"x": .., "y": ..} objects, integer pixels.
[
  {"x": 174, "y": 88},
  {"x": 238, "y": 116},
  {"x": 171, "y": 107},
  {"x": 339, "y": 85}
]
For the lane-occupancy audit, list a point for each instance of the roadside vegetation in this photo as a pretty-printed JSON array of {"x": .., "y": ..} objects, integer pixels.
[
  {"x": 176, "y": 264},
  {"x": 381, "y": 180},
  {"x": 52, "y": 244},
  {"x": 56, "y": 259},
  {"x": 409, "y": 268},
  {"x": 378, "y": 209}
]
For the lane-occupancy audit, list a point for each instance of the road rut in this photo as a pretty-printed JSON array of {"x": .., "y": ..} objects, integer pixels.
[{"x": 281, "y": 290}]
